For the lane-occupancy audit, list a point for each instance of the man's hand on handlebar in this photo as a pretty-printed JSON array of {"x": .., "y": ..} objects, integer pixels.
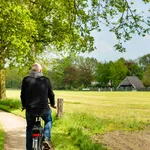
[
  {"x": 23, "y": 108},
  {"x": 53, "y": 106}
]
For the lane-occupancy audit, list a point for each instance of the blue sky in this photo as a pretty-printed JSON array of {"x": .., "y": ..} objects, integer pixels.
[{"x": 104, "y": 41}]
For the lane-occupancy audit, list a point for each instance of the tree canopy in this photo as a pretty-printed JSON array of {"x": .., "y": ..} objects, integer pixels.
[
  {"x": 30, "y": 26},
  {"x": 17, "y": 29},
  {"x": 146, "y": 79},
  {"x": 144, "y": 61}
]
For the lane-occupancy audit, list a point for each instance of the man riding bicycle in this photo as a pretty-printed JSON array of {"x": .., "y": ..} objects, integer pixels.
[{"x": 35, "y": 92}]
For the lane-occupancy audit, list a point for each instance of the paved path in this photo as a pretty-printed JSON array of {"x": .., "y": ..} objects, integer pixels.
[{"x": 14, "y": 128}]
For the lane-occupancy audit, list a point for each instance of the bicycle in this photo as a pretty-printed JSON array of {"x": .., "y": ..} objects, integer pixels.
[{"x": 37, "y": 134}]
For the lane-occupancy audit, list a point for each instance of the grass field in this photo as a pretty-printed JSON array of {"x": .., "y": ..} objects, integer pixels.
[
  {"x": 90, "y": 113},
  {"x": 128, "y": 108}
]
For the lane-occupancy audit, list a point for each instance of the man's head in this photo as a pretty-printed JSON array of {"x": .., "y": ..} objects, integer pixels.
[{"x": 37, "y": 67}]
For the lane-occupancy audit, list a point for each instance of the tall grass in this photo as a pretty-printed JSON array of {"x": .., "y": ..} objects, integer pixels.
[
  {"x": 12, "y": 106},
  {"x": 11, "y": 103},
  {"x": 75, "y": 128}
]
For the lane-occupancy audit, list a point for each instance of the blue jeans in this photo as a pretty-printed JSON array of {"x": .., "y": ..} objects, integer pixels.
[{"x": 30, "y": 118}]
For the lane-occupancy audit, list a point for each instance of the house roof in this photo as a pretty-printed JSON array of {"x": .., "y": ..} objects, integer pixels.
[{"x": 132, "y": 81}]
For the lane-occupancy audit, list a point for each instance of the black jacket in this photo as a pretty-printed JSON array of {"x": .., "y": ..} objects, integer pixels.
[{"x": 35, "y": 92}]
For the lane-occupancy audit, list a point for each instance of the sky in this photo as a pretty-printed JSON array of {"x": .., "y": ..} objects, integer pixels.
[{"x": 135, "y": 48}]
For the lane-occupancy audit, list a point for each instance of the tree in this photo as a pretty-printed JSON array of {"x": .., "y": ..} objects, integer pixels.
[
  {"x": 102, "y": 74},
  {"x": 72, "y": 72},
  {"x": 59, "y": 70},
  {"x": 85, "y": 76},
  {"x": 144, "y": 61},
  {"x": 71, "y": 77},
  {"x": 86, "y": 70},
  {"x": 118, "y": 72},
  {"x": 14, "y": 77},
  {"x": 134, "y": 69},
  {"x": 111, "y": 73},
  {"x": 146, "y": 79},
  {"x": 17, "y": 29}
]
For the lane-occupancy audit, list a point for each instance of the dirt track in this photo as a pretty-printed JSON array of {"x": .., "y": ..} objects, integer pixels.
[
  {"x": 139, "y": 140},
  {"x": 119, "y": 140},
  {"x": 14, "y": 128}
]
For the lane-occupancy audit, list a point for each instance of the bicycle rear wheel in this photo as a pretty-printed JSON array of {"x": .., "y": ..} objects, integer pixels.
[{"x": 35, "y": 144}]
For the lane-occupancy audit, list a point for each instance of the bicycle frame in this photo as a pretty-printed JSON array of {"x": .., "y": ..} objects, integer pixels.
[{"x": 37, "y": 134}]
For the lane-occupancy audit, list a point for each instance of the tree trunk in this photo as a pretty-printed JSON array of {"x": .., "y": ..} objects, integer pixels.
[
  {"x": 2, "y": 79},
  {"x": 2, "y": 84}
]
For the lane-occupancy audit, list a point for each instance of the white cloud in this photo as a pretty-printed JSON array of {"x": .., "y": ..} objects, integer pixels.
[
  {"x": 147, "y": 37},
  {"x": 102, "y": 46}
]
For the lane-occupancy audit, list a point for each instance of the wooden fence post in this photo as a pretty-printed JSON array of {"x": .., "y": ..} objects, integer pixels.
[{"x": 59, "y": 107}]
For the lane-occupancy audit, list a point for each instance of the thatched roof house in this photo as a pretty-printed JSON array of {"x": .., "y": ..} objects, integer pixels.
[{"x": 131, "y": 82}]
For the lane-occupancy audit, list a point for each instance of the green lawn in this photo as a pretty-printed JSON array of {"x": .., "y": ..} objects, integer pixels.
[{"x": 87, "y": 114}]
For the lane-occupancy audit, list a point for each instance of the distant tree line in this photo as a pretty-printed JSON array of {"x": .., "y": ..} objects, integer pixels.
[{"x": 76, "y": 73}]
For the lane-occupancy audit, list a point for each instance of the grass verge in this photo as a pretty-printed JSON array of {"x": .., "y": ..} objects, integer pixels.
[
  {"x": 12, "y": 106},
  {"x": 1, "y": 138}
]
